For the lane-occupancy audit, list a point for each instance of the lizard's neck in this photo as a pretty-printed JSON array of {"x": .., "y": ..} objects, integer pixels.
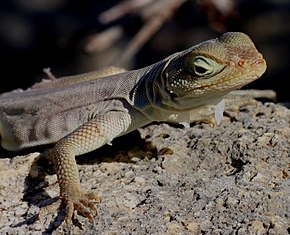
[{"x": 149, "y": 95}]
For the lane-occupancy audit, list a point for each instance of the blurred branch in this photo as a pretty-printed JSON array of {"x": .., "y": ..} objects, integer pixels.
[
  {"x": 154, "y": 14},
  {"x": 102, "y": 41},
  {"x": 125, "y": 7}
]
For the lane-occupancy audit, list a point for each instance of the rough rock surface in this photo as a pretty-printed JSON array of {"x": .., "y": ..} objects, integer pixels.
[{"x": 231, "y": 179}]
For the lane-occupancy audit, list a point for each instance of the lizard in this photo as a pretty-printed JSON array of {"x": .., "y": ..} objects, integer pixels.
[{"x": 81, "y": 113}]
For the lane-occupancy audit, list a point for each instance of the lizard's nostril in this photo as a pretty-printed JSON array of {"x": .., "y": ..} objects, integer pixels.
[
  {"x": 241, "y": 63},
  {"x": 260, "y": 61}
]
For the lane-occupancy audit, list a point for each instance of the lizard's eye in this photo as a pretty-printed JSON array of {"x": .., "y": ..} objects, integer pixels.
[{"x": 203, "y": 66}]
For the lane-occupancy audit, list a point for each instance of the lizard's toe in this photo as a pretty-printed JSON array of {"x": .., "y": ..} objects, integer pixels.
[
  {"x": 69, "y": 212},
  {"x": 94, "y": 196},
  {"x": 43, "y": 211}
]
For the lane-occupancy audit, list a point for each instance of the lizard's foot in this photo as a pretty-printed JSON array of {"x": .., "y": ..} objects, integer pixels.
[{"x": 79, "y": 201}]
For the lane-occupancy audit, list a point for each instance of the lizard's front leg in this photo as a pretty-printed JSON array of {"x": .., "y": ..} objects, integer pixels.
[{"x": 88, "y": 137}]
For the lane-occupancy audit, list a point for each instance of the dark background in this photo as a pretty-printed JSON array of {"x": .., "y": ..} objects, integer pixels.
[{"x": 55, "y": 33}]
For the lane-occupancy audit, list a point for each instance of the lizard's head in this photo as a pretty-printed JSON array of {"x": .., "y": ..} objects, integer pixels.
[{"x": 204, "y": 73}]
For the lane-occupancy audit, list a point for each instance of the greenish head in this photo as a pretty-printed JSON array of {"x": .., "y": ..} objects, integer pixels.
[{"x": 204, "y": 73}]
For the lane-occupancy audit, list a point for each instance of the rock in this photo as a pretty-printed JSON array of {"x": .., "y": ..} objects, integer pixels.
[{"x": 231, "y": 179}]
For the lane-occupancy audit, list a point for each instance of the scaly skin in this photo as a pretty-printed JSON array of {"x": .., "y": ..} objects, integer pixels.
[{"x": 85, "y": 112}]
